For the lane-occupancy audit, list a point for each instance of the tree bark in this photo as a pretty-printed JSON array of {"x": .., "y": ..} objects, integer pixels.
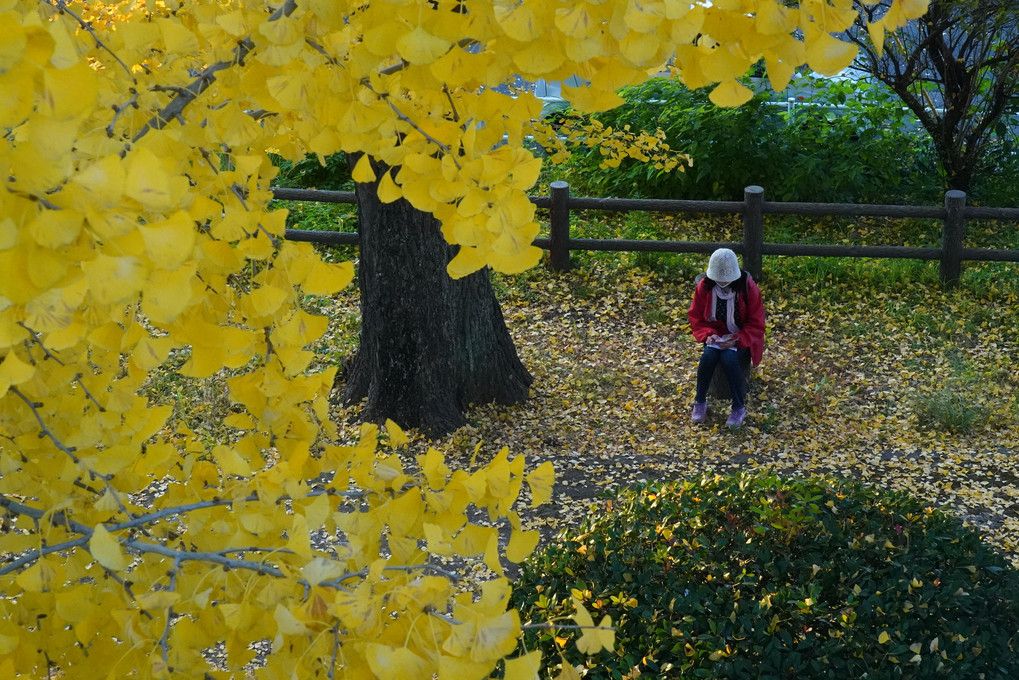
[{"x": 430, "y": 346}]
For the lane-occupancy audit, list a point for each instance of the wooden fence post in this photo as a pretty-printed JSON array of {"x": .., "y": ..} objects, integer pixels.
[
  {"x": 559, "y": 227},
  {"x": 953, "y": 230},
  {"x": 753, "y": 231}
]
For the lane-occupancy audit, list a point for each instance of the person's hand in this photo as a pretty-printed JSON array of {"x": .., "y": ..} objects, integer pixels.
[
  {"x": 726, "y": 344},
  {"x": 711, "y": 339}
]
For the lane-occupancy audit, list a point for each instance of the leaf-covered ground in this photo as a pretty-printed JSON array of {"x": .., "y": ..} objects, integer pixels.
[{"x": 870, "y": 371}]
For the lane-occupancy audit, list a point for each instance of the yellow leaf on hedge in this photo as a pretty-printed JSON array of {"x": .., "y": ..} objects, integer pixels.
[
  {"x": 328, "y": 278},
  {"x": 593, "y": 640},
  {"x": 526, "y": 667},
  {"x": 883, "y": 637},
  {"x": 105, "y": 547},
  {"x": 568, "y": 672}
]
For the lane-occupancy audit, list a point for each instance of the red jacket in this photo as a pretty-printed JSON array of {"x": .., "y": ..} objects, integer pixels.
[{"x": 751, "y": 316}]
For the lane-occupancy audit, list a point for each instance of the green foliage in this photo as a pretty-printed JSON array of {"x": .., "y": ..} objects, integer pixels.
[
  {"x": 312, "y": 173},
  {"x": 959, "y": 403},
  {"x": 851, "y": 142},
  {"x": 331, "y": 175},
  {"x": 745, "y": 576}
]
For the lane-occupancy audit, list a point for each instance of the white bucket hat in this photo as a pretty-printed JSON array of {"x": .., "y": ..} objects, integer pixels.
[{"x": 723, "y": 266}]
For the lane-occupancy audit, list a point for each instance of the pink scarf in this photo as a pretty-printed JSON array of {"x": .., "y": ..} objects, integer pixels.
[{"x": 729, "y": 295}]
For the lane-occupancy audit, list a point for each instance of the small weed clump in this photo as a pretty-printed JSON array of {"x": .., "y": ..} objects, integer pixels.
[{"x": 742, "y": 576}]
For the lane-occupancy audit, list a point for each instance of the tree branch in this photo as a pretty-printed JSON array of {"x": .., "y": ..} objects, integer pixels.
[
  {"x": 37, "y": 340},
  {"x": 62, "y": 6},
  {"x": 45, "y": 431},
  {"x": 206, "y": 78}
]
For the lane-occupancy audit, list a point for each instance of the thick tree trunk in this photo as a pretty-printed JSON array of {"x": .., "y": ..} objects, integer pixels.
[{"x": 430, "y": 346}]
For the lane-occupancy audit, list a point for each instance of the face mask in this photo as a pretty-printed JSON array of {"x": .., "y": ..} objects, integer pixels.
[{"x": 724, "y": 285}]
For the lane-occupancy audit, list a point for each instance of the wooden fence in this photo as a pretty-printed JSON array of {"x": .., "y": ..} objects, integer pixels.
[{"x": 951, "y": 253}]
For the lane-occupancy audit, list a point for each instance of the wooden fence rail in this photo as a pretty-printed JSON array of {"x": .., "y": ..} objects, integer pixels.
[{"x": 951, "y": 253}]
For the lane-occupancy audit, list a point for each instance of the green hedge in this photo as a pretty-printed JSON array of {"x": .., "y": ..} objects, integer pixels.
[
  {"x": 759, "y": 577},
  {"x": 851, "y": 142}
]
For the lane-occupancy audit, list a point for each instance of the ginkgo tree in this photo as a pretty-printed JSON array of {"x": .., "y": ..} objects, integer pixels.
[{"x": 136, "y": 237}]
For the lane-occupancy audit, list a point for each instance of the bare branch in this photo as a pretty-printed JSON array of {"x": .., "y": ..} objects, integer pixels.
[
  {"x": 45, "y": 431},
  {"x": 77, "y": 379},
  {"x": 37, "y": 340},
  {"x": 164, "y": 641},
  {"x": 117, "y": 110}
]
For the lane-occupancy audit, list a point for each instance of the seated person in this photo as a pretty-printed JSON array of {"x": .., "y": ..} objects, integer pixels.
[{"x": 728, "y": 317}]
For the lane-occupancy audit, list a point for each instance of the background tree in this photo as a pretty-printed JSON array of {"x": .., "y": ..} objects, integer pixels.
[
  {"x": 957, "y": 69},
  {"x": 136, "y": 238}
]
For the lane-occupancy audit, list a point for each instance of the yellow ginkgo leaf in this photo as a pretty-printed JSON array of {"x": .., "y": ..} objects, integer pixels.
[
  {"x": 730, "y": 93},
  {"x": 230, "y": 461},
  {"x": 883, "y": 637},
  {"x": 828, "y": 55},
  {"x": 419, "y": 47},
  {"x": 14, "y": 371},
  {"x": 541, "y": 480},
  {"x": 56, "y": 228},
  {"x": 521, "y": 544},
  {"x": 328, "y": 278},
  {"x": 593, "y": 638},
  {"x": 526, "y": 667},
  {"x": 106, "y": 549},
  {"x": 287, "y": 623},
  {"x": 568, "y": 672},
  {"x": 148, "y": 181},
  {"x": 171, "y": 241},
  {"x": 396, "y": 435},
  {"x": 157, "y": 599},
  {"x": 396, "y": 663},
  {"x": 363, "y": 172},
  {"x": 167, "y": 294},
  {"x": 321, "y": 569}
]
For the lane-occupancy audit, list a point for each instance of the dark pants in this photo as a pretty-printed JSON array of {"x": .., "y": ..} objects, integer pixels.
[{"x": 730, "y": 362}]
